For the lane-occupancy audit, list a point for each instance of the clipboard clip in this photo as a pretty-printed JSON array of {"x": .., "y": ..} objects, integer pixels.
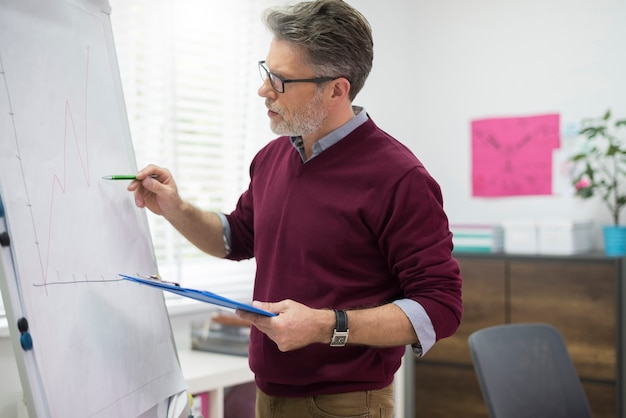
[{"x": 157, "y": 278}]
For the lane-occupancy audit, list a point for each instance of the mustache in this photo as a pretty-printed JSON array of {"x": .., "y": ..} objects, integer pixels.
[{"x": 270, "y": 106}]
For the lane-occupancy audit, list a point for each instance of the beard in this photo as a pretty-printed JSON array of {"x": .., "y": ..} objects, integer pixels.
[{"x": 302, "y": 121}]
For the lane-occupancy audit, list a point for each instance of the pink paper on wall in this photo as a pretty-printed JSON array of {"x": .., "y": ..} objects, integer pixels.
[{"x": 513, "y": 156}]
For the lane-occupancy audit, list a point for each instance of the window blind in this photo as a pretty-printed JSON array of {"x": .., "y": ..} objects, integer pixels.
[{"x": 189, "y": 76}]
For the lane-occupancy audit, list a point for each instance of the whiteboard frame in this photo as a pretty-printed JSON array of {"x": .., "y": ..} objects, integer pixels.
[{"x": 36, "y": 403}]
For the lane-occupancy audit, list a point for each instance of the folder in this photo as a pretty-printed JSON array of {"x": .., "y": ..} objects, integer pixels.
[{"x": 201, "y": 295}]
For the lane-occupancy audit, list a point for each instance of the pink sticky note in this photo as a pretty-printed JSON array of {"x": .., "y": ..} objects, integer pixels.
[{"x": 513, "y": 156}]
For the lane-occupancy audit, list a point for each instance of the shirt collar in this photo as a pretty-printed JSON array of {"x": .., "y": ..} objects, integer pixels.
[{"x": 360, "y": 116}]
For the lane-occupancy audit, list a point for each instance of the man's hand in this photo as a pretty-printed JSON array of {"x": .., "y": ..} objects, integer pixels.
[
  {"x": 159, "y": 194},
  {"x": 295, "y": 326}
]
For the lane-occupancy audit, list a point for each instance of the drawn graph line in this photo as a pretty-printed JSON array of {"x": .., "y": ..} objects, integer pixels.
[
  {"x": 66, "y": 282},
  {"x": 59, "y": 181}
]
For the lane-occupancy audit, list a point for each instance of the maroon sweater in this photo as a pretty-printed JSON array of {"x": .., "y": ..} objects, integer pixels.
[{"x": 360, "y": 225}]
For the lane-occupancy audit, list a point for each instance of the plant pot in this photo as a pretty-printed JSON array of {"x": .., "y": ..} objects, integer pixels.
[{"x": 614, "y": 240}]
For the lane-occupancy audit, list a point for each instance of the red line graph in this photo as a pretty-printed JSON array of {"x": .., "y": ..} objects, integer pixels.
[{"x": 59, "y": 182}]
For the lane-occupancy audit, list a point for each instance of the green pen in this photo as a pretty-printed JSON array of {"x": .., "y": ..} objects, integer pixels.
[{"x": 126, "y": 177}]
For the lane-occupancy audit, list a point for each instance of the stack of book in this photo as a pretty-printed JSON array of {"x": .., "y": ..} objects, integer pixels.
[
  {"x": 222, "y": 333},
  {"x": 477, "y": 238}
]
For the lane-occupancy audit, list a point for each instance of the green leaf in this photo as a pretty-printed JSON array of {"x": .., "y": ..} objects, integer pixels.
[
  {"x": 588, "y": 129},
  {"x": 578, "y": 157},
  {"x": 585, "y": 193},
  {"x": 613, "y": 149}
]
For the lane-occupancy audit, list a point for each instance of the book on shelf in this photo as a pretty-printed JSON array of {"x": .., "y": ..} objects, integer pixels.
[{"x": 477, "y": 238}]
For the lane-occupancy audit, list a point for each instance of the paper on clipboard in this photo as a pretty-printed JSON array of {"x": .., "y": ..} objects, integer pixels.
[{"x": 200, "y": 295}]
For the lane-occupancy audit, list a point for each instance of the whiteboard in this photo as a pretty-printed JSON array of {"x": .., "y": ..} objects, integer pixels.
[{"x": 101, "y": 346}]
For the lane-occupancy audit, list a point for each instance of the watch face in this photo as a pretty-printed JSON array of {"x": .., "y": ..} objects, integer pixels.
[
  {"x": 340, "y": 340},
  {"x": 513, "y": 156}
]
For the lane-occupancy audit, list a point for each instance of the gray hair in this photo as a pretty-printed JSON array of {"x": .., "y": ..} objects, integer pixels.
[{"x": 335, "y": 37}]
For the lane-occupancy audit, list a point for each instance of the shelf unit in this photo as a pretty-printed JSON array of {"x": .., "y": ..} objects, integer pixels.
[{"x": 582, "y": 295}]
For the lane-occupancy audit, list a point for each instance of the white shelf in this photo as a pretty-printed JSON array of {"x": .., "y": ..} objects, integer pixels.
[{"x": 212, "y": 372}]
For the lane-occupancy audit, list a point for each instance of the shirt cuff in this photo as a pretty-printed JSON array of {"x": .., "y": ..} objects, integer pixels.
[
  {"x": 421, "y": 324},
  {"x": 225, "y": 231}
]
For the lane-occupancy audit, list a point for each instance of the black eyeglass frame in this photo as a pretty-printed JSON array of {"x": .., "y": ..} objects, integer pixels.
[{"x": 283, "y": 80}]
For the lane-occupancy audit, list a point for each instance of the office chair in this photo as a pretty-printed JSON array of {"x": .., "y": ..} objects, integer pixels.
[{"x": 525, "y": 371}]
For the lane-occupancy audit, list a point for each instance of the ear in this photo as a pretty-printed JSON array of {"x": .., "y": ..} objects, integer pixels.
[{"x": 341, "y": 88}]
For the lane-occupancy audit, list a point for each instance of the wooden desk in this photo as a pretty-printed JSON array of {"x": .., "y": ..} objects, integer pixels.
[{"x": 212, "y": 372}]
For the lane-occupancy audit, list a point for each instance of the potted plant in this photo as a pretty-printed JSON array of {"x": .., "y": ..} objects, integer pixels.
[{"x": 600, "y": 170}]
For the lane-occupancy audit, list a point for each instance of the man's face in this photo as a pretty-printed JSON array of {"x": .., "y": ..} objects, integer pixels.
[{"x": 300, "y": 110}]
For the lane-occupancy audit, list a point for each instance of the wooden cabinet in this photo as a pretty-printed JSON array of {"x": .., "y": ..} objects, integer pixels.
[{"x": 580, "y": 295}]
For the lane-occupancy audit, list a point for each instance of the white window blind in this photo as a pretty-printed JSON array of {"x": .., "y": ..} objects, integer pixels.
[{"x": 190, "y": 79}]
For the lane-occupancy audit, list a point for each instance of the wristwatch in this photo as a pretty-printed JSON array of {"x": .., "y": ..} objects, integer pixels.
[{"x": 340, "y": 333}]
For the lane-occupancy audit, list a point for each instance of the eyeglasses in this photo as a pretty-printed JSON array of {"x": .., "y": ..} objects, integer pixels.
[{"x": 278, "y": 82}]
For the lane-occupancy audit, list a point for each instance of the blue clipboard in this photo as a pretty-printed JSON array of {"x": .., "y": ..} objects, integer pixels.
[{"x": 201, "y": 295}]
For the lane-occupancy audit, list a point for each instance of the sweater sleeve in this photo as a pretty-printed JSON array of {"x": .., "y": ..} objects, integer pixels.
[{"x": 415, "y": 236}]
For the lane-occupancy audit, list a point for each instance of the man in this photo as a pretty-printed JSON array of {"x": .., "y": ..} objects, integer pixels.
[{"x": 347, "y": 227}]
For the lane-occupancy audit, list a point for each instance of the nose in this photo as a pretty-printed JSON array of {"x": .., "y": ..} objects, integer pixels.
[{"x": 266, "y": 90}]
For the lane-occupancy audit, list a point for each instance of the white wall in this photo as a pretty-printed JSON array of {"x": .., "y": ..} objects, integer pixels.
[{"x": 440, "y": 64}]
